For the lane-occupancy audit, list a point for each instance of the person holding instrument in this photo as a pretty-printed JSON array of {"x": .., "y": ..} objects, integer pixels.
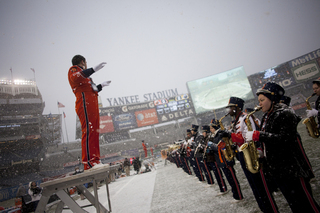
[
  {"x": 257, "y": 181},
  {"x": 283, "y": 161},
  {"x": 316, "y": 91}
]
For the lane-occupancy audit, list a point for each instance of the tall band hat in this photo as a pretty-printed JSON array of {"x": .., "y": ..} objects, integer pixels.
[
  {"x": 316, "y": 81},
  {"x": 205, "y": 128},
  {"x": 271, "y": 90},
  {"x": 194, "y": 127},
  {"x": 215, "y": 124},
  {"x": 234, "y": 101},
  {"x": 188, "y": 130},
  {"x": 286, "y": 100}
]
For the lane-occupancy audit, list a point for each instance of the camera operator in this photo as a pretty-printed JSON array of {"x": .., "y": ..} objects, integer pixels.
[{"x": 35, "y": 193}]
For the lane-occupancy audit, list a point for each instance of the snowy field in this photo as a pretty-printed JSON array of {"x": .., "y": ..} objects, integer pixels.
[{"x": 170, "y": 189}]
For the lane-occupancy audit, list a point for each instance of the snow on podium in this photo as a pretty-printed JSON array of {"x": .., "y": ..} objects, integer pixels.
[{"x": 60, "y": 186}]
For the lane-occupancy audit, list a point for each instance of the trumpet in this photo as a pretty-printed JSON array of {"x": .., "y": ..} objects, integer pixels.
[
  {"x": 250, "y": 153},
  {"x": 310, "y": 123},
  {"x": 227, "y": 152}
]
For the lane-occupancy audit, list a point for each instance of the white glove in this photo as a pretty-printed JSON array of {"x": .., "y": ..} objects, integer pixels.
[
  {"x": 105, "y": 83},
  {"x": 260, "y": 152},
  {"x": 249, "y": 135},
  {"x": 312, "y": 112},
  {"x": 99, "y": 66}
]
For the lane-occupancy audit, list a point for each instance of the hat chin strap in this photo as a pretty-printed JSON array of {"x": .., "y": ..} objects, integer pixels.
[{"x": 271, "y": 108}]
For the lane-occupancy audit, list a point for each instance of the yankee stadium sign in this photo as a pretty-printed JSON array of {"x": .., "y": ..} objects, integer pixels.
[{"x": 146, "y": 97}]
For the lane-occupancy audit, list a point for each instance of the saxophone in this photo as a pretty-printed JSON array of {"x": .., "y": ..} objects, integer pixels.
[
  {"x": 250, "y": 153},
  {"x": 227, "y": 152},
  {"x": 310, "y": 123}
]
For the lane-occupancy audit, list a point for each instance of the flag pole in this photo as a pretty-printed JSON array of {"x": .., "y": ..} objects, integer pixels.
[
  {"x": 11, "y": 75},
  {"x": 12, "y": 86},
  {"x": 34, "y": 74},
  {"x": 61, "y": 126},
  {"x": 52, "y": 122},
  {"x": 65, "y": 125}
]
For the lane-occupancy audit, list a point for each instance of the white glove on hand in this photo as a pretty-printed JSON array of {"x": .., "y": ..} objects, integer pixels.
[
  {"x": 105, "y": 83},
  {"x": 311, "y": 112},
  {"x": 99, "y": 66},
  {"x": 249, "y": 135},
  {"x": 260, "y": 152}
]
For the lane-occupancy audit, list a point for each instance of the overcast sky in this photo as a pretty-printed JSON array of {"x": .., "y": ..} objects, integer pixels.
[{"x": 149, "y": 46}]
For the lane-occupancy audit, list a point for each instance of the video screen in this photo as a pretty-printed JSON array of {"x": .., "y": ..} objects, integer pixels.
[{"x": 213, "y": 92}]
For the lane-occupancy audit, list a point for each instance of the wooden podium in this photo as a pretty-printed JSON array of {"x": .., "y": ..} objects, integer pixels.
[{"x": 60, "y": 186}]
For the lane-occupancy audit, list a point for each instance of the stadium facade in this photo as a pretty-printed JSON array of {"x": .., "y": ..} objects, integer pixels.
[{"x": 21, "y": 144}]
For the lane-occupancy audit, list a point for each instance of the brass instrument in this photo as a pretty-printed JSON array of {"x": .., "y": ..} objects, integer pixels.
[
  {"x": 310, "y": 123},
  {"x": 250, "y": 153},
  {"x": 227, "y": 152},
  {"x": 195, "y": 152},
  {"x": 205, "y": 148},
  {"x": 199, "y": 146},
  {"x": 173, "y": 147}
]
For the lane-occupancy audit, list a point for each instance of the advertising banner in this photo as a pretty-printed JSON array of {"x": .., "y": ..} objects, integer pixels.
[
  {"x": 306, "y": 71},
  {"x": 106, "y": 124},
  {"x": 280, "y": 74},
  {"x": 174, "y": 108},
  {"x": 116, "y": 136},
  {"x": 146, "y": 117},
  {"x": 132, "y": 116},
  {"x": 124, "y": 121},
  {"x": 130, "y": 153},
  {"x": 294, "y": 76}
]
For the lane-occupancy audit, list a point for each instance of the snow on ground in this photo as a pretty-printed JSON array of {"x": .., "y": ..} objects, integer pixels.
[{"x": 127, "y": 194}]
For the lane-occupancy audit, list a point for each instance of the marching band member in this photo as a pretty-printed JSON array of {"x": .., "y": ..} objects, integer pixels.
[
  {"x": 222, "y": 164},
  {"x": 316, "y": 90},
  {"x": 189, "y": 158},
  {"x": 174, "y": 155},
  {"x": 278, "y": 136},
  {"x": 201, "y": 150},
  {"x": 184, "y": 157},
  {"x": 285, "y": 101},
  {"x": 256, "y": 181},
  {"x": 195, "y": 161}
]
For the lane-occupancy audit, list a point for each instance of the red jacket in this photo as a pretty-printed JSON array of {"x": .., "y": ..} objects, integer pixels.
[{"x": 78, "y": 81}]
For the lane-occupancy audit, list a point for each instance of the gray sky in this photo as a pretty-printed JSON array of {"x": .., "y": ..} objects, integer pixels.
[{"x": 149, "y": 46}]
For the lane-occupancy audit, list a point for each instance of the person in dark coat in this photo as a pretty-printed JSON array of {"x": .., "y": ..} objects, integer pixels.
[
  {"x": 126, "y": 165},
  {"x": 315, "y": 111},
  {"x": 136, "y": 165},
  {"x": 222, "y": 163},
  {"x": 21, "y": 190},
  {"x": 195, "y": 152},
  {"x": 257, "y": 181},
  {"x": 284, "y": 163},
  {"x": 201, "y": 150}
]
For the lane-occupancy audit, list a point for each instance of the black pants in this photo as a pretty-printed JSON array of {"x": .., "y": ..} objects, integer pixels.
[
  {"x": 258, "y": 184},
  {"x": 230, "y": 174},
  {"x": 298, "y": 194}
]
